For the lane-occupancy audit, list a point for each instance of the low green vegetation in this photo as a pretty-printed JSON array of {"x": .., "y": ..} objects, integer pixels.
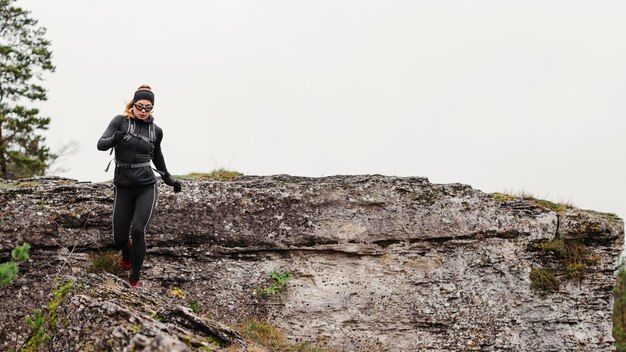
[
  {"x": 18, "y": 184},
  {"x": 266, "y": 337},
  {"x": 9, "y": 270},
  {"x": 542, "y": 203},
  {"x": 38, "y": 335},
  {"x": 619, "y": 311},
  {"x": 220, "y": 174},
  {"x": 105, "y": 261},
  {"x": 501, "y": 197},
  {"x": 193, "y": 304},
  {"x": 58, "y": 295},
  {"x": 566, "y": 258},
  {"x": 543, "y": 280},
  {"x": 279, "y": 282},
  {"x": 216, "y": 341},
  {"x": 39, "y": 330},
  {"x": 20, "y": 253}
]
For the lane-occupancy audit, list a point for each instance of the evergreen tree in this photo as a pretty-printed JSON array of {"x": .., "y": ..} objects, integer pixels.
[{"x": 24, "y": 57}]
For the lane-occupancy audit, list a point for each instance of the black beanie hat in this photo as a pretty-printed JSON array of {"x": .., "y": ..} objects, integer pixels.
[{"x": 144, "y": 92}]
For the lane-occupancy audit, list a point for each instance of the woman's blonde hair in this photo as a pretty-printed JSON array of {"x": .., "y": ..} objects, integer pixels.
[{"x": 128, "y": 109}]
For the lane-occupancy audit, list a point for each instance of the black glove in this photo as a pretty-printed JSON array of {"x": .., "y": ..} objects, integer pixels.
[
  {"x": 117, "y": 137},
  {"x": 167, "y": 178}
]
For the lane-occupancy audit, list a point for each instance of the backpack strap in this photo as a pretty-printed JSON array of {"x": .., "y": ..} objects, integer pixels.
[
  {"x": 152, "y": 133},
  {"x": 130, "y": 132},
  {"x": 130, "y": 129}
]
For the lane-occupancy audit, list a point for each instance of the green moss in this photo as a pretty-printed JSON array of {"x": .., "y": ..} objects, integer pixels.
[
  {"x": 543, "y": 280},
  {"x": 57, "y": 297},
  {"x": 501, "y": 197},
  {"x": 546, "y": 204},
  {"x": 216, "y": 341},
  {"x": 218, "y": 175},
  {"x": 542, "y": 203},
  {"x": 27, "y": 184},
  {"x": 19, "y": 184}
]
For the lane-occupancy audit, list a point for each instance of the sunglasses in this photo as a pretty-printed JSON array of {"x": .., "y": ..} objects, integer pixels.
[{"x": 146, "y": 108}]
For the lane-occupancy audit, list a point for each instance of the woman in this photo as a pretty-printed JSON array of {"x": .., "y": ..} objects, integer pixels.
[{"x": 137, "y": 140}]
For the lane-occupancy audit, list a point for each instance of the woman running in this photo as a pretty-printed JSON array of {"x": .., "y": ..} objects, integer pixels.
[{"x": 137, "y": 141}]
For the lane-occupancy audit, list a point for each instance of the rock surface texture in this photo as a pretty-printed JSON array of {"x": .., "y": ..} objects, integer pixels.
[{"x": 376, "y": 262}]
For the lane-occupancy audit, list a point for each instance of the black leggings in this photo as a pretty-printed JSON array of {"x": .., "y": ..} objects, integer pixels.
[{"x": 132, "y": 210}]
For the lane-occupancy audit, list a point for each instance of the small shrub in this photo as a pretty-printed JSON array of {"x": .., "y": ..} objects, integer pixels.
[
  {"x": 543, "y": 280},
  {"x": 280, "y": 282},
  {"x": 193, "y": 304},
  {"x": 38, "y": 336},
  {"x": 8, "y": 272},
  {"x": 20, "y": 253}
]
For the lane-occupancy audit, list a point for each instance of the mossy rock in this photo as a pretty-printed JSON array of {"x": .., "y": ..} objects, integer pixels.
[{"x": 217, "y": 175}]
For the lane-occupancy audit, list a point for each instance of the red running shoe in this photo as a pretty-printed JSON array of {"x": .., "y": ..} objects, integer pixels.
[
  {"x": 126, "y": 265},
  {"x": 135, "y": 285}
]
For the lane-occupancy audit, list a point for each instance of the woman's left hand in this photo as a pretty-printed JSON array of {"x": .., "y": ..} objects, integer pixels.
[{"x": 167, "y": 178}]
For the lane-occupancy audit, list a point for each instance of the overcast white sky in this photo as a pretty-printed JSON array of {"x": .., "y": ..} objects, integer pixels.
[{"x": 501, "y": 95}]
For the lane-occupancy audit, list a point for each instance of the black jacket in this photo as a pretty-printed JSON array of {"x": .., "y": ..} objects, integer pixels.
[{"x": 133, "y": 151}]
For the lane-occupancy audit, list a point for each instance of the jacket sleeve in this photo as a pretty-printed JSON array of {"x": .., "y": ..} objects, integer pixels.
[
  {"x": 158, "y": 159},
  {"x": 106, "y": 141}
]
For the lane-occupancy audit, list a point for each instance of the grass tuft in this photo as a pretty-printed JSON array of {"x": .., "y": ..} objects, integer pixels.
[
  {"x": 542, "y": 203},
  {"x": 267, "y": 337},
  {"x": 107, "y": 261},
  {"x": 543, "y": 280},
  {"x": 217, "y": 175},
  {"x": 501, "y": 197}
]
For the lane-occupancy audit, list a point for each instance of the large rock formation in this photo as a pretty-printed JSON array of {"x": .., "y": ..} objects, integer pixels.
[{"x": 387, "y": 263}]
